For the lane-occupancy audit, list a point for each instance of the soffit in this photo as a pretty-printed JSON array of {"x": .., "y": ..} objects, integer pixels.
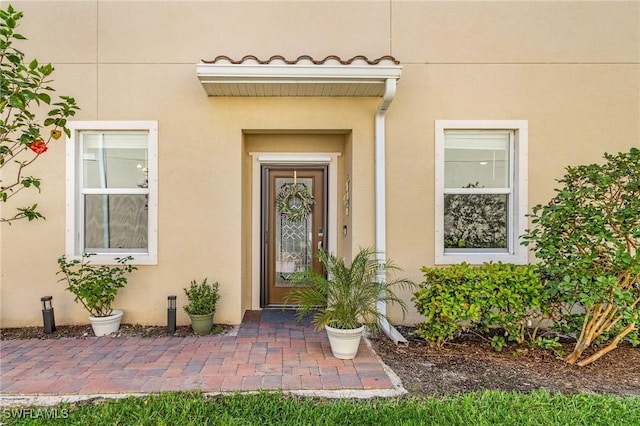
[{"x": 302, "y": 77}]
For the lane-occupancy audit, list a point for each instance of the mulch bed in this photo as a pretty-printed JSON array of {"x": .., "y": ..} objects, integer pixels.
[
  {"x": 85, "y": 332},
  {"x": 471, "y": 364}
]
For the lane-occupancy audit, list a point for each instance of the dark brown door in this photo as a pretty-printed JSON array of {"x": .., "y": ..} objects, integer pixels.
[{"x": 290, "y": 246}]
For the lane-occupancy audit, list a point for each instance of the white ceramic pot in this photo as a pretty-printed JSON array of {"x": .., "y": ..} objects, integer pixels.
[
  {"x": 103, "y": 326},
  {"x": 344, "y": 343}
]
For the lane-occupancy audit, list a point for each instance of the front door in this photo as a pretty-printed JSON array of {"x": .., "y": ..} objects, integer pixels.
[{"x": 290, "y": 242}]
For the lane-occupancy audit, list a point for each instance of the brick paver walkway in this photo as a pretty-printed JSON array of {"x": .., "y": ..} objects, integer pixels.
[{"x": 270, "y": 352}]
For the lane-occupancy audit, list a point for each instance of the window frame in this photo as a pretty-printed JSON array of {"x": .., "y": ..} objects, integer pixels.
[
  {"x": 518, "y": 197},
  {"x": 74, "y": 241}
]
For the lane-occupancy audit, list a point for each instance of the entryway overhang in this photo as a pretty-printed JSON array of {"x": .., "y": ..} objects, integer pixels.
[
  {"x": 302, "y": 77},
  {"x": 307, "y": 77}
]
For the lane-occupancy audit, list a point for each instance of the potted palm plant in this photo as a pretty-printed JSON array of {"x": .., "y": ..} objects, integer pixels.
[
  {"x": 96, "y": 287},
  {"x": 202, "y": 299},
  {"x": 345, "y": 300}
]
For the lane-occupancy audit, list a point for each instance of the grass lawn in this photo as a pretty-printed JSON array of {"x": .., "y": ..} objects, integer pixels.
[{"x": 483, "y": 408}]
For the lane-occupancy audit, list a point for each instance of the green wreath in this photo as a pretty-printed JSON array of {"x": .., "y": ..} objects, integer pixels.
[{"x": 290, "y": 192}]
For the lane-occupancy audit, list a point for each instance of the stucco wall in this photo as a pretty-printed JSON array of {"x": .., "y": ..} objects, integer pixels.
[{"x": 572, "y": 69}]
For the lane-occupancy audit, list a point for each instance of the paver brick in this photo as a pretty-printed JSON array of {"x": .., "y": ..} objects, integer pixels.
[
  {"x": 251, "y": 383},
  {"x": 350, "y": 381},
  {"x": 273, "y": 382}
]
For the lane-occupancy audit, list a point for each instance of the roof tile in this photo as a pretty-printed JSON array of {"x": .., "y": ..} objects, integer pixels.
[{"x": 303, "y": 59}]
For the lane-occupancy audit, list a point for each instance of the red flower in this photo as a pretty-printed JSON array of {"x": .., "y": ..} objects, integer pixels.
[{"x": 38, "y": 147}]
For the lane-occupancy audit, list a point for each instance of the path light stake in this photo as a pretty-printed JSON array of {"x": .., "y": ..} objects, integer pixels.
[
  {"x": 47, "y": 315},
  {"x": 171, "y": 315}
]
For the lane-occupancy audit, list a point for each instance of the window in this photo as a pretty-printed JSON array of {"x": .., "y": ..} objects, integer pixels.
[
  {"x": 481, "y": 191},
  {"x": 112, "y": 190}
]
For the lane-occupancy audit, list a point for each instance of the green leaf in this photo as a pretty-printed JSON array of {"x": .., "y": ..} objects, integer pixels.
[
  {"x": 30, "y": 213},
  {"x": 16, "y": 101},
  {"x": 44, "y": 97},
  {"x": 46, "y": 69}
]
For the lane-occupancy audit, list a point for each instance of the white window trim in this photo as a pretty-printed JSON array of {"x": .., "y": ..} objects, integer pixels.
[
  {"x": 74, "y": 231},
  {"x": 517, "y": 253}
]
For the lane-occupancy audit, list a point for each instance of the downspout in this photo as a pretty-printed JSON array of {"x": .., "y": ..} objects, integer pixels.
[{"x": 380, "y": 201}]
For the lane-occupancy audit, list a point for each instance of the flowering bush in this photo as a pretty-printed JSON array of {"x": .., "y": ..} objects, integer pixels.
[{"x": 23, "y": 87}]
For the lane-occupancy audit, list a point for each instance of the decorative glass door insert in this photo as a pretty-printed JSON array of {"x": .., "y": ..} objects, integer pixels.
[{"x": 293, "y": 239}]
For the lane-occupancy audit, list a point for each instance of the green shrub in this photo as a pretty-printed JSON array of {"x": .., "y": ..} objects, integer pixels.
[
  {"x": 202, "y": 298},
  {"x": 587, "y": 240},
  {"x": 95, "y": 286},
  {"x": 466, "y": 297}
]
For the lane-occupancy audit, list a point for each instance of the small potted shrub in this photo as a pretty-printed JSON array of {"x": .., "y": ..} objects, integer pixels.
[
  {"x": 96, "y": 287},
  {"x": 346, "y": 299},
  {"x": 202, "y": 299}
]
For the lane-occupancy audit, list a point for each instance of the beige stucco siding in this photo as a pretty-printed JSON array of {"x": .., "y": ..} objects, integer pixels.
[
  {"x": 571, "y": 69},
  {"x": 516, "y": 31}
]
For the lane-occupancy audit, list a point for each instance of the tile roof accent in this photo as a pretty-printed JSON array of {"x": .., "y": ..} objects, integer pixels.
[
  {"x": 304, "y": 76},
  {"x": 303, "y": 59}
]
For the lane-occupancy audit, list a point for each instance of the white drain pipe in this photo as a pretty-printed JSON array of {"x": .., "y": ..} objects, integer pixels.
[{"x": 380, "y": 200}]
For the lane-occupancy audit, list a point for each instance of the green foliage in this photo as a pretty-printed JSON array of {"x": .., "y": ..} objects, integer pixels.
[
  {"x": 347, "y": 298},
  {"x": 488, "y": 408},
  {"x": 466, "y": 297},
  {"x": 202, "y": 298},
  {"x": 498, "y": 343},
  {"x": 24, "y": 87},
  {"x": 549, "y": 344},
  {"x": 587, "y": 241},
  {"x": 30, "y": 213},
  {"x": 95, "y": 286}
]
